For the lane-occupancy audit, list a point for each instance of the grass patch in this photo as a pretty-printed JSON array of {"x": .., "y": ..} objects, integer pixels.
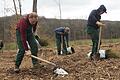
[
  {"x": 10, "y": 46},
  {"x": 112, "y": 54},
  {"x": 52, "y": 44},
  {"x": 80, "y": 42},
  {"x": 111, "y": 40}
]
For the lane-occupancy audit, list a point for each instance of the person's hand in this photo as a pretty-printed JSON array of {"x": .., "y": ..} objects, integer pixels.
[
  {"x": 35, "y": 33},
  {"x": 28, "y": 53},
  {"x": 100, "y": 24},
  {"x": 103, "y": 25}
]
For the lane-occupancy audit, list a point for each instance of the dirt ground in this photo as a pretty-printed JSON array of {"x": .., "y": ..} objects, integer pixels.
[{"x": 77, "y": 65}]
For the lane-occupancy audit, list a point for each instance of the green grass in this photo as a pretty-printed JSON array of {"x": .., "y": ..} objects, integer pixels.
[
  {"x": 111, "y": 40},
  {"x": 89, "y": 42},
  {"x": 52, "y": 44},
  {"x": 10, "y": 46},
  {"x": 80, "y": 42}
]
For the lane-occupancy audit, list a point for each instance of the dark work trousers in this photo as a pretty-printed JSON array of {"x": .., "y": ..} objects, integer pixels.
[
  {"x": 94, "y": 35},
  {"x": 32, "y": 43},
  {"x": 60, "y": 41}
]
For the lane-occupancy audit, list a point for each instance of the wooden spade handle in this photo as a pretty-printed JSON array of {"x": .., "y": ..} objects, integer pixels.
[
  {"x": 43, "y": 60},
  {"x": 99, "y": 39}
]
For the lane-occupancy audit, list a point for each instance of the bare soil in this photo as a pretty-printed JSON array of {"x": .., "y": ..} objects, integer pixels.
[{"x": 77, "y": 65}]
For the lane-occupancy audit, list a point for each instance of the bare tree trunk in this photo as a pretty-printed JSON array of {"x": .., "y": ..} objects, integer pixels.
[
  {"x": 20, "y": 7},
  {"x": 12, "y": 27},
  {"x": 15, "y": 7},
  {"x": 35, "y": 6},
  {"x": 60, "y": 13},
  {"x": 60, "y": 9}
]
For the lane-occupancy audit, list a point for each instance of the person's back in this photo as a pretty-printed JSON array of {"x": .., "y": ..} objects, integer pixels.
[
  {"x": 60, "y": 29},
  {"x": 93, "y": 18}
]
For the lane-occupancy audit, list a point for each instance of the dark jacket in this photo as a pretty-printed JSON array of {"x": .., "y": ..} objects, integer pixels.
[
  {"x": 22, "y": 26},
  {"x": 95, "y": 16},
  {"x": 60, "y": 30}
]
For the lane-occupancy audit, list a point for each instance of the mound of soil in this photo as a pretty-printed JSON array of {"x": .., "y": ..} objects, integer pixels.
[{"x": 77, "y": 65}]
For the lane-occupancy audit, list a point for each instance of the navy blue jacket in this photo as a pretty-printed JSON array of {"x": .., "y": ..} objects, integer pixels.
[
  {"x": 60, "y": 30},
  {"x": 93, "y": 18}
]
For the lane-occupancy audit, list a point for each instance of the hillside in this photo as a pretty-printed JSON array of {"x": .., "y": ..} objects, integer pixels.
[{"x": 46, "y": 28}]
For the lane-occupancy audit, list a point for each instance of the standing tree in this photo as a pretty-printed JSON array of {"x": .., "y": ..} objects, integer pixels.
[
  {"x": 20, "y": 7},
  {"x": 15, "y": 7},
  {"x": 35, "y": 6},
  {"x": 13, "y": 22}
]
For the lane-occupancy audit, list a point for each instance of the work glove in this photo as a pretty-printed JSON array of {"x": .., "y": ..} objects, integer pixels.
[
  {"x": 100, "y": 24},
  {"x": 28, "y": 53}
]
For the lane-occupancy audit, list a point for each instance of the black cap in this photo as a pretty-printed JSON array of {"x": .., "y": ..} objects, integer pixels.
[{"x": 103, "y": 8}]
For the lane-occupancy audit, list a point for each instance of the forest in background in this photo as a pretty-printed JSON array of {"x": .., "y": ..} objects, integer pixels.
[{"x": 46, "y": 28}]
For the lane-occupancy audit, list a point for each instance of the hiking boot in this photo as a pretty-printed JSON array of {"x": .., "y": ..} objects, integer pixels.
[
  {"x": 17, "y": 70},
  {"x": 59, "y": 52}
]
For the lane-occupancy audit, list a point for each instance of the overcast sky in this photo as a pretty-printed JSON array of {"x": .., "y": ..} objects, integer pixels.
[{"x": 71, "y": 9}]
